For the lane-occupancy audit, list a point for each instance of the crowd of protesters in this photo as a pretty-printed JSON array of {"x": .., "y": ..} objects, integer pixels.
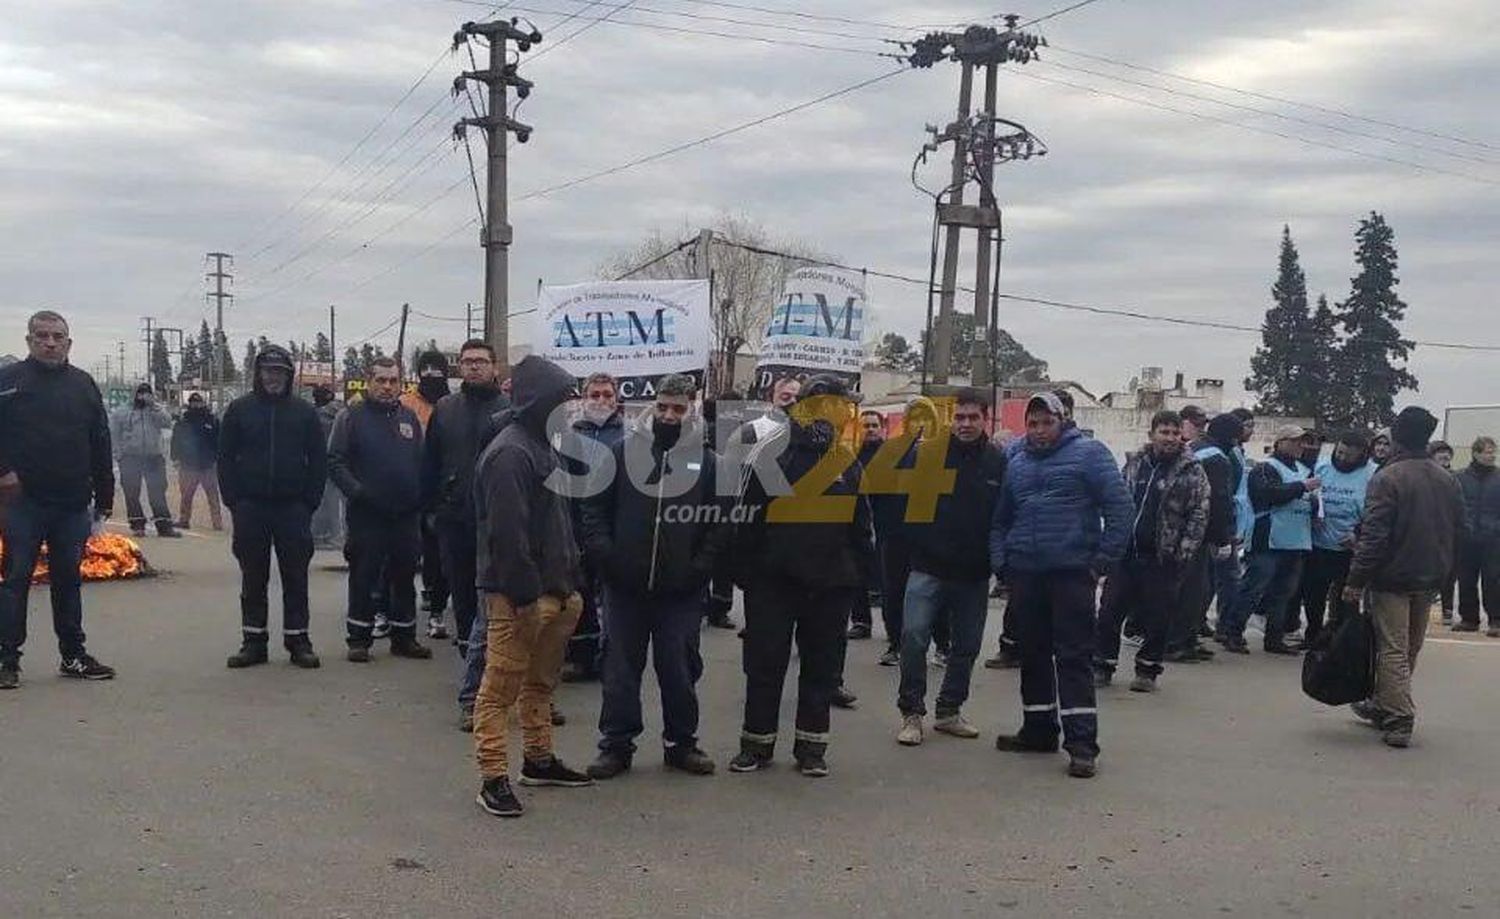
[{"x": 659, "y": 518}]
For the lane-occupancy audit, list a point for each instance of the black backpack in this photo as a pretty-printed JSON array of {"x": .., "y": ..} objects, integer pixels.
[{"x": 1339, "y": 668}]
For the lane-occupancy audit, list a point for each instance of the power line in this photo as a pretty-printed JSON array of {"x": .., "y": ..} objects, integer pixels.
[
  {"x": 1421, "y": 167},
  {"x": 1283, "y": 100},
  {"x": 1054, "y": 14},
  {"x": 1121, "y": 312},
  {"x": 547, "y": 49},
  {"x": 700, "y": 17},
  {"x": 670, "y": 252}
]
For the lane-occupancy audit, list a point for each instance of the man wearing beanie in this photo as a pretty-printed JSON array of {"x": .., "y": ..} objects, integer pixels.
[
  {"x": 1413, "y": 522},
  {"x": 1217, "y": 563},
  {"x": 432, "y": 386}
]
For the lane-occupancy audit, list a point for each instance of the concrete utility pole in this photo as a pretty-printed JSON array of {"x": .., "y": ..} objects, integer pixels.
[
  {"x": 401, "y": 341},
  {"x": 218, "y": 295},
  {"x": 496, "y": 233},
  {"x": 333, "y": 349},
  {"x": 976, "y": 149}
]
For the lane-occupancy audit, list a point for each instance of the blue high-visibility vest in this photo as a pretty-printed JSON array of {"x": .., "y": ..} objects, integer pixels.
[
  {"x": 1343, "y": 497},
  {"x": 1244, "y": 514},
  {"x": 1291, "y": 523}
]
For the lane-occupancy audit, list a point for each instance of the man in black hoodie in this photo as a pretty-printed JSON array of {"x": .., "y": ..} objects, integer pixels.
[
  {"x": 432, "y": 388},
  {"x": 273, "y": 464},
  {"x": 195, "y": 449},
  {"x": 55, "y": 459},
  {"x": 655, "y": 533},
  {"x": 530, "y": 574},
  {"x": 1479, "y": 553},
  {"x": 448, "y": 456},
  {"x": 950, "y": 569},
  {"x": 799, "y": 559},
  {"x": 1215, "y": 452},
  {"x": 375, "y": 458}
]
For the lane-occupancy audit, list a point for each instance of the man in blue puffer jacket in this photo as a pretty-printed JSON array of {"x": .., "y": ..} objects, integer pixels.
[{"x": 1062, "y": 520}]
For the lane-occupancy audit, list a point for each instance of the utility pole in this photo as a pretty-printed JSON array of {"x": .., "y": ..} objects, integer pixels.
[
  {"x": 496, "y": 233},
  {"x": 976, "y": 149},
  {"x": 219, "y": 276},
  {"x": 121, "y": 365},
  {"x": 401, "y": 341},
  {"x": 150, "y": 352},
  {"x": 469, "y": 321},
  {"x": 333, "y": 350}
]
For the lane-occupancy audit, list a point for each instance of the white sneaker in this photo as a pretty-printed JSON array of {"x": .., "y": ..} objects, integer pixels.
[
  {"x": 956, "y": 725},
  {"x": 910, "y": 734},
  {"x": 382, "y": 627},
  {"x": 436, "y": 629}
]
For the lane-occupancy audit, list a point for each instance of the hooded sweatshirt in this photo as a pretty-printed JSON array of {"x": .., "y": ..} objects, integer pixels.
[
  {"x": 451, "y": 448},
  {"x": 526, "y": 545},
  {"x": 271, "y": 448},
  {"x": 1221, "y": 463}
]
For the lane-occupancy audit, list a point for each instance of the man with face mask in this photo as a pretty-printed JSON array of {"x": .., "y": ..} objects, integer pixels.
[
  {"x": 529, "y": 574},
  {"x": 1479, "y": 560},
  {"x": 195, "y": 447},
  {"x": 328, "y": 521},
  {"x": 1282, "y": 494},
  {"x": 601, "y": 423},
  {"x": 1171, "y": 495},
  {"x": 1346, "y": 478},
  {"x": 432, "y": 386},
  {"x": 136, "y": 432},
  {"x": 273, "y": 464},
  {"x": 655, "y": 534},
  {"x": 1441, "y": 453}
]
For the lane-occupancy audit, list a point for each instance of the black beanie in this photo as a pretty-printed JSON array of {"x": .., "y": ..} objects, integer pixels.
[
  {"x": 1413, "y": 427},
  {"x": 1226, "y": 429}
]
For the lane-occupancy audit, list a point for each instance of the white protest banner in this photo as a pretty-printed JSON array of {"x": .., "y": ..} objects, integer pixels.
[
  {"x": 637, "y": 331},
  {"x": 817, "y": 327}
]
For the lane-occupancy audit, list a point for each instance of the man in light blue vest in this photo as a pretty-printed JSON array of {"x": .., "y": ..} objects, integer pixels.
[
  {"x": 1282, "y": 494},
  {"x": 1345, "y": 477}
]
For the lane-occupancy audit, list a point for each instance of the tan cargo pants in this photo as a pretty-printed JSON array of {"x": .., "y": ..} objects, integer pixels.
[{"x": 521, "y": 667}]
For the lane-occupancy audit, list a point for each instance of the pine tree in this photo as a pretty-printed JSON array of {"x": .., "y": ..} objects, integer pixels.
[
  {"x": 1324, "y": 352},
  {"x": 352, "y": 368},
  {"x": 161, "y": 364},
  {"x": 323, "y": 349},
  {"x": 191, "y": 368},
  {"x": 250, "y": 360},
  {"x": 1372, "y": 368},
  {"x": 205, "y": 349},
  {"x": 231, "y": 372},
  {"x": 1277, "y": 368}
]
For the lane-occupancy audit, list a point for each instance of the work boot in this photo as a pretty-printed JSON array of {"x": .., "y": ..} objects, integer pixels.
[
  {"x": 810, "y": 758},
  {"x": 859, "y": 631},
  {"x": 1143, "y": 683},
  {"x": 608, "y": 764},
  {"x": 249, "y": 654},
  {"x": 1004, "y": 659},
  {"x": 843, "y": 698},
  {"x": 165, "y": 529},
  {"x": 551, "y": 771},
  {"x": 955, "y": 725},
  {"x": 688, "y": 759},
  {"x": 498, "y": 799},
  {"x": 10, "y": 673},
  {"x": 910, "y": 734},
  {"x": 302, "y": 654},
  {"x": 408, "y": 647},
  {"x": 358, "y": 654},
  {"x": 1082, "y": 766},
  {"x": 753, "y": 756},
  {"x": 1462, "y": 626},
  {"x": 1015, "y": 743}
]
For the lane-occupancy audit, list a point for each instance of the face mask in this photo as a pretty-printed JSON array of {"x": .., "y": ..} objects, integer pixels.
[{"x": 665, "y": 434}]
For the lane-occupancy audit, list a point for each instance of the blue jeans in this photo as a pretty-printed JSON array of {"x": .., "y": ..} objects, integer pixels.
[
  {"x": 670, "y": 627},
  {"x": 1271, "y": 578},
  {"x": 966, "y": 603},
  {"x": 28, "y": 524},
  {"x": 1226, "y": 588},
  {"x": 471, "y": 668}
]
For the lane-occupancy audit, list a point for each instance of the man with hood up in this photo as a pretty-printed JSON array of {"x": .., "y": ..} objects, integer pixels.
[
  {"x": 136, "y": 432},
  {"x": 529, "y": 573},
  {"x": 432, "y": 386},
  {"x": 1217, "y": 451},
  {"x": 195, "y": 448},
  {"x": 655, "y": 534},
  {"x": 273, "y": 464}
]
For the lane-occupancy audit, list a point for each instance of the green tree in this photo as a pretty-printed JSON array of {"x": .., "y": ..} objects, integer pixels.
[
  {"x": 1329, "y": 400},
  {"x": 895, "y": 353},
  {"x": 1278, "y": 367},
  {"x": 323, "y": 349},
  {"x": 161, "y": 364},
  {"x": 231, "y": 370},
  {"x": 250, "y": 360},
  {"x": 205, "y": 348},
  {"x": 352, "y": 366},
  {"x": 1009, "y": 358},
  {"x": 191, "y": 368},
  {"x": 1372, "y": 366}
]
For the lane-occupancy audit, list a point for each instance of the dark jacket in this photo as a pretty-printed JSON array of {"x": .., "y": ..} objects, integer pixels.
[
  {"x": 1267, "y": 492},
  {"x": 1412, "y": 525},
  {"x": 195, "y": 439},
  {"x": 1181, "y": 503},
  {"x": 526, "y": 545},
  {"x": 581, "y": 449},
  {"x": 888, "y": 504},
  {"x": 834, "y": 548},
  {"x": 1061, "y": 509},
  {"x": 955, "y": 544},
  {"x": 1481, "y": 490},
  {"x": 54, "y": 435},
  {"x": 271, "y": 448},
  {"x": 452, "y": 447},
  {"x": 652, "y": 531},
  {"x": 375, "y": 457},
  {"x": 1221, "y": 473}
]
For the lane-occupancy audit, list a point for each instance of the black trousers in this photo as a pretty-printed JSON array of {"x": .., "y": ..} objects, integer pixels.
[
  {"x": 1194, "y": 598},
  {"x": 1054, "y": 613},
  {"x": 776, "y": 614},
  {"x": 382, "y": 551},
  {"x": 434, "y": 578},
  {"x": 586, "y": 645},
  {"x": 1149, "y": 589},
  {"x": 457, "y": 544},
  {"x": 1479, "y": 570},
  {"x": 670, "y": 628},
  {"x": 1322, "y": 580},
  {"x": 259, "y": 528},
  {"x": 862, "y": 613}
]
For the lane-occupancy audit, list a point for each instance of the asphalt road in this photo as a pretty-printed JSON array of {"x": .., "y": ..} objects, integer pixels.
[{"x": 185, "y": 789}]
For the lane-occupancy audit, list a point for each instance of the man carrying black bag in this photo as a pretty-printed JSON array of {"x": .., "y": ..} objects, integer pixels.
[{"x": 1413, "y": 521}]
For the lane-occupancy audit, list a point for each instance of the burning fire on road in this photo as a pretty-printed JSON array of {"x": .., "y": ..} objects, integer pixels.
[{"x": 106, "y": 557}]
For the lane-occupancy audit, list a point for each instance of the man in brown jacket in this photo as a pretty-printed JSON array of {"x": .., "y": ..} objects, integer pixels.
[{"x": 1412, "y": 525}]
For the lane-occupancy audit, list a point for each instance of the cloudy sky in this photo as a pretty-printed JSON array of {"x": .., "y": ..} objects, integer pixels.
[{"x": 136, "y": 137}]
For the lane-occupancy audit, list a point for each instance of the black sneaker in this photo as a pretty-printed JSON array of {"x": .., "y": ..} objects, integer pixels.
[
  {"x": 167, "y": 531},
  {"x": 302, "y": 655},
  {"x": 358, "y": 655},
  {"x": 249, "y": 655},
  {"x": 1281, "y": 648},
  {"x": 608, "y": 764},
  {"x": 1370, "y": 713},
  {"x": 1462, "y": 626},
  {"x": 84, "y": 667},
  {"x": 751, "y": 758},
  {"x": 551, "y": 771},
  {"x": 1015, "y": 743},
  {"x": 1235, "y": 645},
  {"x": 859, "y": 631},
  {"x": 558, "y": 718},
  {"x": 1005, "y": 660},
  {"x": 410, "y": 648},
  {"x": 843, "y": 698},
  {"x": 10, "y": 674},
  {"x": 891, "y": 658},
  {"x": 1182, "y": 656},
  {"x": 1083, "y": 767},
  {"x": 688, "y": 759},
  {"x": 496, "y": 797},
  {"x": 721, "y": 621},
  {"x": 812, "y": 765},
  {"x": 1102, "y": 678}
]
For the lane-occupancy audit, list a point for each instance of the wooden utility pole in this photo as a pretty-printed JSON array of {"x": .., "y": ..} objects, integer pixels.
[
  {"x": 401, "y": 341},
  {"x": 496, "y": 233}
]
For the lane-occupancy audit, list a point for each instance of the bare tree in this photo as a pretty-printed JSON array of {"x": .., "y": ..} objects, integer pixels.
[{"x": 747, "y": 283}]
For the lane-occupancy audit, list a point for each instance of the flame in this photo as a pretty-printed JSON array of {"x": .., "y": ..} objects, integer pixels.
[{"x": 106, "y": 557}]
